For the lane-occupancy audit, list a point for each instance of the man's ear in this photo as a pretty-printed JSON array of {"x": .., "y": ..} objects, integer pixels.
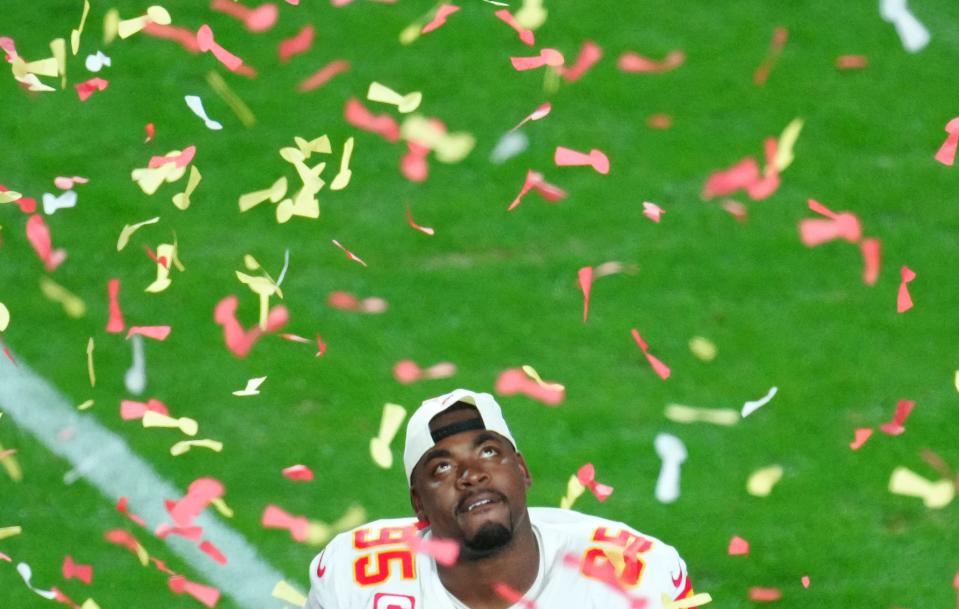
[
  {"x": 526, "y": 475},
  {"x": 417, "y": 504}
]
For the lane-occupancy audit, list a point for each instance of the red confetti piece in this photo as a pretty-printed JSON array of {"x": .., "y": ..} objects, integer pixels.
[
  {"x": 275, "y": 517},
  {"x": 444, "y": 551},
  {"x": 745, "y": 175},
  {"x": 213, "y": 552},
  {"x": 384, "y": 125},
  {"x": 162, "y": 261},
  {"x": 514, "y": 380},
  {"x": 298, "y": 44},
  {"x": 776, "y": 45},
  {"x": 589, "y": 54},
  {"x": 348, "y": 302},
  {"x": 154, "y": 332},
  {"x": 407, "y": 371},
  {"x": 895, "y": 427},
  {"x": 122, "y": 508},
  {"x": 634, "y": 62},
  {"x": 538, "y": 113},
  {"x": 564, "y": 157},
  {"x": 123, "y": 538},
  {"x": 659, "y": 121},
  {"x": 88, "y": 87},
  {"x": 348, "y": 253},
  {"x": 151, "y": 131},
  {"x": 238, "y": 340},
  {"x": 526, "y": 36},
  {"x": 38, "y": 234},
  {"x": 300, "y": 473},
  {"x": 585, "y": 276},
  {"x": 205, "y": 41},
  {"x": 947, "y": 152},
  {"x": 413, "y": 164},
  {"x": 765, "y": 595},
  {"x": 181, "y": 160},
  {"x": 652, "y": 211},
  {"x": 130, "y": 410},
  {"x": 862, "y": 434},
  {"x": 870, "y": 255},
  {"x": 184, "y": 37},
  {"x": 738, "y": 546},
  {"x": 805, "y": 581},
  {"x": 320, "y": 346},
  {"x": 259, "y": 19},
  {"x": 815, "y": 231},
  {"x": 546, "y": 57},
  {"x": 512, "y": 596},
  {"x": 192, "y": 533},
  {"x": 439, "y": 20},
  {"x": 72, "y": 570},
  {"x": 904, "y": 300},
  {"x": 659, "y": 367},
  {"x": 768, "y": 183},
  {"x": 207, "y": 595},
  {"x": 60, "y": 597},
  {"x": 199, "y": 495},
  {"x": 535, "y": 181},
  {"x": 587, "y": 477},
  {"x": 324, "y": 75},
  {"x": 603, "y": 570},
  {"x": 423, "y": 229},
  {"x": 851, "y": 62},
  {"x": 115, "y": 324}
]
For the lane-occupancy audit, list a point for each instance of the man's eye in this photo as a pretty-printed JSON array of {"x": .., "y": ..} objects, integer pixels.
[
  {"x": 442, "y": 468},
  {"x": 488, "y": 451}
]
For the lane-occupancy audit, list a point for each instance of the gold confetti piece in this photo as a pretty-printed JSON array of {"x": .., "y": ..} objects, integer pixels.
[
  {"x": 155, "y": 419},
  {"x": 404, "y": 103},
  {"x": 393, "y": 415},
  {"x": 690, "y": 414},
  {"x": 304, "y": 204},
  {"x": 11, "y": 465},
  {"x": 129, "y": 229},
  {"x": 252, "y": 387},
  {"x": 531, "y": 373},
  {"x": 166, "y": 253},
  {"x": 58, "y": 47},
  {"x": 41, "y": 67},
  {"x": 75, "y": 34},
  {"x": 784, "y": 151},
  {"x": 150, "y": 179},
  {"x": 449, "y": 147},
  {"x": 4, "y": 317},
  {"x": 320, "y": 145},
  {"x": 342, "y": 179},
  {"x": 185, "y": 445},
  {"x": 762, "y": 481},
  {"x": 318, "y": 533},
  {"x": 72, "y": 305},
  {"x": 240, "y": 109},
  {"x": 9, "y": 196},
  {"x": 89, "y": 604},
  {"x": 87, "y": 405},
  {"x": 287, "y": 593},
  {"x": 111, "y": 22},
  {"x": 703, "y": 348},
  {"x": 934, "y": 495},
  {"x": 531, "y": 14},
  {"x": 574, "y": 488},
  {"x": 223, "y": 508},
  {"x": 273, "y": 194},
  {"x": 10, "y": 531},
  {"x": 156, "y": 14},
  {"x": 182, "y": 199},
  {"x": 956, "y": 380},
  {"x": 697, "y": 600},
  {"x": 93, "y": 377},
  {"x": 264, "y": 287}
]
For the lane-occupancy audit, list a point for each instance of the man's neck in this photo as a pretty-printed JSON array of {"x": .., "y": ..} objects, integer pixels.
[{"x": 471, "y": 580}]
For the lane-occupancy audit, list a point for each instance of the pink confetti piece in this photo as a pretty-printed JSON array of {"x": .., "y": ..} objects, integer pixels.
[
  {"x": 122, "y": 508},
  {"x": 526, "y": 36},
  {"x": 862, "y": 434},
  {"x": 275, "y": 517},
  {"x": 589, "y": 55},
  {"x": 587, "y": 477},
  {"x": 238, "y": 340},
  {"x": 88, "y": 87},
  {"x": 444, "y": 551},
  {"x": 193, "y": 533},
  {"x": 151, "y": 131},
  {"x": 765, "y": 595},
  {"x": 904, "y": 300},
  {"x": 324, "y": 75},
  {"x": 636, "y": 63},
  {"x": 320, "y": 346},
  {"x": 181, "y": 159},
  {"x": 205, "y": 42},
  {"x": 870, "y": 255},
  {"x": 738, "y": 546},
  {"x": 123, "y": 538},
  {"x": 585, "y": 276},
  {"x": 384, "y": 125},
  {"x": 213, "y": 552},
  {"x": 115, "y": 323},
  {"x": 38, "y": 234},
  {"x": 60, "y": 597},
  {"x": 423, "y": 229},
  {"x": 736, "y": 210},
  {"x": 66, "y": 183},
  {"x": 895, "y": 427},
  {"x": 851, "y": 62},
  {"x": 439, "y": 20},
  {"x": 659, "y": 121},
  {"x": 565, "y": 157},
  {"x": 659, "y": 367},
  {"x": 413, "y": 164},
  {"x": 652, "y": 211},
  {"x": 540, "y": 112},
  {"x": 947, "y": 152},
  {"x": 207, "y": 595},
  {"x": 199, "y": 495},
  {"x": 768, "y": 182},
  {"x": 730, "y": 180},
  {"x": 407, "y": 371},
  {"x": 298, "y": 44},
  {"x": 843, "y": 225},
  {"x": 349, "y": 254},
  {"x": 5, "y": 557},
  {"x": 300, "y": 473},
  {"x": 259, "y": 19},
  {"x": 546, "y": 57},
  {"x": 514, "y": 381},
  {"x": 130, "y": 410},
  {"x": 513, "y": 596},
  {"x": 535, "y": 181},
  {"x": 72, "y": 570},
  {"x": 776, "y": 45},
  {"x": 154, "y": 332},
  {"x": 805, "y": 581},
  {"x": 182, "y": 36}
]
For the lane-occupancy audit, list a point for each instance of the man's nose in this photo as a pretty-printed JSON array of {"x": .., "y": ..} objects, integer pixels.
[{"x": 473, "y": 474}]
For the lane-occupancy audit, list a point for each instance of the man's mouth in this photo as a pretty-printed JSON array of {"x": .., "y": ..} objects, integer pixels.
[{"x": 478, "y": 501}]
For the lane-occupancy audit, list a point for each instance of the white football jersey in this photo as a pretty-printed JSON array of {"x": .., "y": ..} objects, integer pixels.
[{"x": 584, "y": 564}]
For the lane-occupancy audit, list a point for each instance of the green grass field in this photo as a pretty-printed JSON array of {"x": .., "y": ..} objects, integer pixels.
[{"x": 493, "y": 290}]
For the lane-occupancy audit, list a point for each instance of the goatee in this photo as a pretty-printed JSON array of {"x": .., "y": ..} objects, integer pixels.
[{"x": 491, "y": 537}]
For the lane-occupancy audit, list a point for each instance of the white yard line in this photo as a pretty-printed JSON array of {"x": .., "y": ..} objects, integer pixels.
[{"x": 106, "y": 461}]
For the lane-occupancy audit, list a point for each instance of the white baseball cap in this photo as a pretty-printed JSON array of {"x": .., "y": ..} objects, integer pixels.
[{"x": 419, "y": 438}]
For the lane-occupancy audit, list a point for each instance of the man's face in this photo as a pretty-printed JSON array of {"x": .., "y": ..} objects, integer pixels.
[{"x": 471, "y": 486}]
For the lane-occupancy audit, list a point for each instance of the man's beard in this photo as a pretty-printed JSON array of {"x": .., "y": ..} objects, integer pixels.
[{"x": 492, "y": 536}]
